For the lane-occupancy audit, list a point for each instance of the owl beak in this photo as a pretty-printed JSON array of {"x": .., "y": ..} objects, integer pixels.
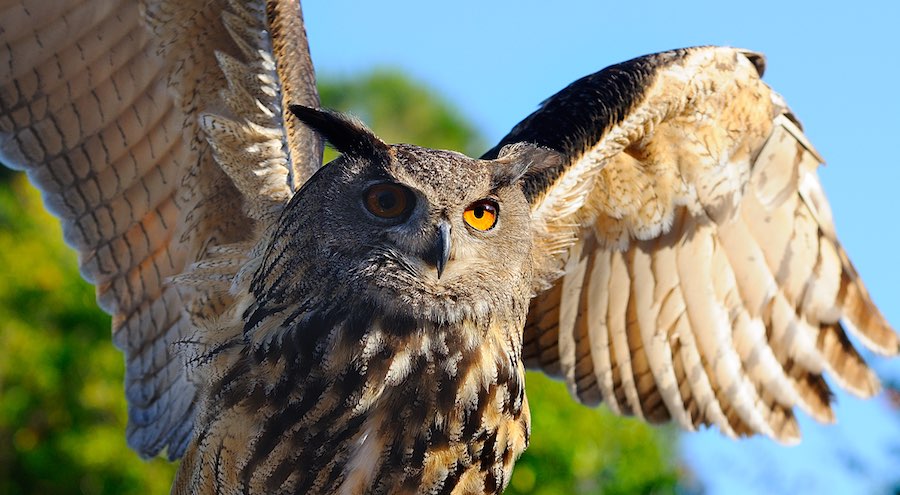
[{"x": 440, "y": 251}]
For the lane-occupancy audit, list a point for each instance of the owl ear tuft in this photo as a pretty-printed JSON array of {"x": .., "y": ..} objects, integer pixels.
[
  {"x": 343, "y": 133},
  {"x": 517, "y": 161}
]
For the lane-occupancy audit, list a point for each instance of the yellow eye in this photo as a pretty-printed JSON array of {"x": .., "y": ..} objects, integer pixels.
[
  {"x": 482, "y": 214},
  {"x": 388, "y": 200}
]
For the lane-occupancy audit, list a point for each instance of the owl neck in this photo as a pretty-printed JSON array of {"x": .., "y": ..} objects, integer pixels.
[{"x": 360, "y": 402}]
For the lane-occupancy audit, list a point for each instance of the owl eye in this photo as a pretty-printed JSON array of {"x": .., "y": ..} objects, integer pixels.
[
  {"x": 388, "y": 201},
  {"x": 482, "y": 214}
]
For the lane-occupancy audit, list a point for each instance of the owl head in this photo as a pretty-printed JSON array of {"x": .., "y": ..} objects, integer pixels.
[{"x": 418, "y": 232}]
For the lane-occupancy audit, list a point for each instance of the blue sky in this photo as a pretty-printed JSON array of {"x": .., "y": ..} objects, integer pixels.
[{"x": 838, "y": 67}]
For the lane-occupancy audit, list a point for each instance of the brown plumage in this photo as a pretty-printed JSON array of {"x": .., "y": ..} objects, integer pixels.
[{"x": 668, "y": 251}]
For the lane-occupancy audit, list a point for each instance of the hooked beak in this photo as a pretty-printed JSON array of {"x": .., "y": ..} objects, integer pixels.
[{"x": 440, "y": 250}]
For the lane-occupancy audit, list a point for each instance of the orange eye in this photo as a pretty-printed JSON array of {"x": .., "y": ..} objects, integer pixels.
[
  {"x": 482, "y": 214},
  {"x": 388, "y": 200}
]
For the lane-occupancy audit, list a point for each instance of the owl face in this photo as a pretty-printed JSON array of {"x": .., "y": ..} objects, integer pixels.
[{"x": 420, "y": 232}]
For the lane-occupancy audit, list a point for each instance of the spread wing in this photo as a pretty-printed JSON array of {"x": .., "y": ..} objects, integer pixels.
[
  {"x": 155, "y": 133},
  {"x": 687, "y": 260}
]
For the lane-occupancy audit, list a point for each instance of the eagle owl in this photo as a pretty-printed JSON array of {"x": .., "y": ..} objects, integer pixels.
[{"x": 655, "y": 235}]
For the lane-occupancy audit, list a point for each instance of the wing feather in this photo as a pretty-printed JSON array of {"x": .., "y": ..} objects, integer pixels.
[
  {"x": 710, "y": 322},
  {"x": 685, "y": 238},
  {"x": 155, "y": 133},
  {"x": 586, "y": 384},
  {"x": 596, "y": 307},
  {"x": 617, "y": 321},
  {"x": 571, "y": 333},
  {"x": 655, "y": 344}
]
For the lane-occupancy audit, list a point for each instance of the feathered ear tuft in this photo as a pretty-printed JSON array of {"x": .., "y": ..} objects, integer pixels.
[
  {"x": 346, "y": 135},
  {"x": 517, "y": 161}
]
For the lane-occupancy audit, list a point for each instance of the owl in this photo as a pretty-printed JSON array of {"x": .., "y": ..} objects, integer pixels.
[{"x": 655, "y": 235}]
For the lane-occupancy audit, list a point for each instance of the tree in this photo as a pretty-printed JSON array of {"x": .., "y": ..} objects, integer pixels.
[{"x": 62, "y": 407}]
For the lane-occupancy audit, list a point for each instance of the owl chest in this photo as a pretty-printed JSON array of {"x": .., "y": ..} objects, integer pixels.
[
  {"x": 433, "y": 411},
  {"x": 437, "y": 435},
  {"x": 434, "y": 422}
]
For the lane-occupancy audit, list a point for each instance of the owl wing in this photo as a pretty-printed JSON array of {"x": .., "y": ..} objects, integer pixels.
[
  {"x": 155, "y": 134},
  {"x": 686, "y": 258}
]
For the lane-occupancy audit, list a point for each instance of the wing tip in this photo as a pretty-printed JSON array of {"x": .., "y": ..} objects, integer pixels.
[
  {"x": 151, "y": 440},
  {"x": 789, "y": 435},
  {"x": 860, "y": 315},
  {"x": 758, "y": 59},
  {"x": 844, "y": 364}
]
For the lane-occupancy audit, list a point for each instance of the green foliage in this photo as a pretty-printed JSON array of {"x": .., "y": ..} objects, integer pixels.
[
  {"x": 400, "y": 110},
  {"x": 62, "y": 407},
  {"x": 578, "y": 450}
]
